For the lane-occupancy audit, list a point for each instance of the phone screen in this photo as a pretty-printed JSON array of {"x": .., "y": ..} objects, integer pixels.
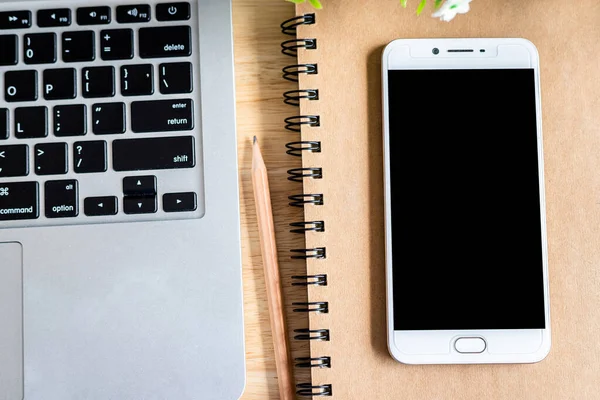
[{"x": 465, "y": 200}]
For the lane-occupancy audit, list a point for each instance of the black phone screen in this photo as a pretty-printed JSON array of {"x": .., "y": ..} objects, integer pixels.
[{"x": 465, "y": 200}]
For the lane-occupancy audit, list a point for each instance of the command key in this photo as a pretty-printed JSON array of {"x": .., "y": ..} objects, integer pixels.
[{"x": 19, "y": 200}]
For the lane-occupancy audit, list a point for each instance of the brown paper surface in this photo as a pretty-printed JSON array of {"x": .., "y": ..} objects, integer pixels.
[{"x": 351, "y": 36}]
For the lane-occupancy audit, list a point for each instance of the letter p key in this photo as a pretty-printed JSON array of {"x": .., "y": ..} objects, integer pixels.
[{"x": 60, "y": 84}]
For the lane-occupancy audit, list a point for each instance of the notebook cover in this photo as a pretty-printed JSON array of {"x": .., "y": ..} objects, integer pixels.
[{"x": 351, "y": 36}]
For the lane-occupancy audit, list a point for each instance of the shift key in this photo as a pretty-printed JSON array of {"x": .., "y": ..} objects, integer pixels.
[
  {"x": 19, "y": 200},
  {"x": 153, "y": 153},
  {"x": 162, "y": 115}
]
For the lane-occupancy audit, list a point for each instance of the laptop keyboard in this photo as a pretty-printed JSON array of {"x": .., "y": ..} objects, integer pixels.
[{"x": 98, "y": 113}]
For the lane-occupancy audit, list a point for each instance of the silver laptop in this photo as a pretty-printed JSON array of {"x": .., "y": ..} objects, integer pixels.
[{"x": 120, "y": 268}]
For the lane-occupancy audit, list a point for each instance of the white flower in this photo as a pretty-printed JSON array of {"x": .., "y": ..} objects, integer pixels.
[{"x": 450, "y": 8}]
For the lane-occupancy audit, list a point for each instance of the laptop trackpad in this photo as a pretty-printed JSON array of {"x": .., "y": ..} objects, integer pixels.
[{"x": 11, "y": 317}]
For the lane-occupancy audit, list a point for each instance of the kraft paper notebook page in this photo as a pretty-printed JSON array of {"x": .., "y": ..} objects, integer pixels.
[{"x": 339, "y": 71}]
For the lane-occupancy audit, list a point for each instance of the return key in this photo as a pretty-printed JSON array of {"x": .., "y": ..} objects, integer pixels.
[{"x": 162, "y": 115}]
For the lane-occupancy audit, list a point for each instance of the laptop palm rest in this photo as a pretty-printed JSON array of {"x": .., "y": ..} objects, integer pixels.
[{"x": 11, "y": 321}]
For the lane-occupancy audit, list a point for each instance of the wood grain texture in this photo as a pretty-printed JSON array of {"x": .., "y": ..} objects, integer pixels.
[{"x": 260, "y": 112}]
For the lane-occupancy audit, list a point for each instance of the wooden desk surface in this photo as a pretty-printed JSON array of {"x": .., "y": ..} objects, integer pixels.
[
  {"x": 260, "y": 112},
  {"x": 566, "y": 36}
]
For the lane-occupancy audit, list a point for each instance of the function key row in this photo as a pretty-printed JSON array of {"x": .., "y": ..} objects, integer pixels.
[
  {"x": 100, "y": 15},
  {"x": 20, "y": 201},
  {"x": 80, "y": 46}
]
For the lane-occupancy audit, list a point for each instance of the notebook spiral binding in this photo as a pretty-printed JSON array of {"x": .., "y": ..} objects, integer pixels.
[
  {"x": 303, "y": 227},
  {"x": 299, "y": 174},
  {"x": 295, "y": 124},
  {"x": 291, "y": 72},
  {"x": 310, "y": 280},
  {"x": 317, "y": 362},
  {"x": 299, "y": 200},
  {"x": 290, "y": 47},
  {"x": 308, "y": 390},
  {"x": 297, "y": 149},
  {"x": 293, "y": 97},
  {"x": 312, "y": 334}
]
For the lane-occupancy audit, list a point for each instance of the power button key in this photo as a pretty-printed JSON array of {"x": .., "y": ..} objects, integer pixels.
[{"x": 173, "y": 11}]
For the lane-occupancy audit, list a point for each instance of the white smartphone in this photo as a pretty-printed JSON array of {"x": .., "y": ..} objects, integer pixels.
[{"x": 466, "y": 247}]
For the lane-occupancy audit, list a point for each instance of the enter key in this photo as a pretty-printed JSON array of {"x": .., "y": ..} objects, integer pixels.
[{"x": 162, "y": 115}]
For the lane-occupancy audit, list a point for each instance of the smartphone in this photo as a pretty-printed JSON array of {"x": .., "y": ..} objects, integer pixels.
[{"x": 466, "y": 246}]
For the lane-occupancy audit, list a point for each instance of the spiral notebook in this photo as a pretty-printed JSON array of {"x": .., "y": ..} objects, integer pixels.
[{"x": 335, "y": 125}]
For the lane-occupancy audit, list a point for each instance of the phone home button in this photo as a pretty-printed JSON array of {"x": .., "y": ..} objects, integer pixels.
[{"x": 470, "y": 345}]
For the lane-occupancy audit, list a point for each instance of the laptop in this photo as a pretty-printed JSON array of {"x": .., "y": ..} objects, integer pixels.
[{"x": 120, "y": 267}]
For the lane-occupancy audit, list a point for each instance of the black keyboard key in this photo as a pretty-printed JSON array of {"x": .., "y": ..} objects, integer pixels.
[
  {"x": 173, "y": 11},
  {"x": 9, "y": 50},
  {"x": 180, "y": 202},
  {"x": 70, "y": 120},
  {"x": 108, "y": 118},
  {"x": 90, "y": 157},
  {"x": 62, "y": 199},
  {"x": 139, "y": 185},
  {"x": 166, "y": 41},
  {"x": 31, "y": 122},
  {"x": 98, "y": 82},
  {"x": 54, "y": 18},
  {"x": 162, "y": 115},
  {"x": 133, "y": 13},
  {"x": 176, "y": 78},
  {"x": 93, "y": 15},
  {"x": 137, "y": 80},
  {"x": 39, "y": 48},
  {"x": 60, "y": 84},
  {"x": 14, "y": 160},
  {"x": 19, "y": 200},
  {"x": 116, "y": 44},
  {"x": 154, "y": 153},
  {"x": 15, "y": 19},
  {"x": 100, "y": 206},
  {"x": 4, "y": 121},
  {"x": 78, "y": 46},
  {"x": 51, "y": 159},
  {"x": 140, "y": 205},
  {"x": 20, "y": 86}
]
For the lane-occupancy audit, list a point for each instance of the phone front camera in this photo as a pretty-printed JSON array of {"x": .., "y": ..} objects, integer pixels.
[{"x": 435, "y": 51}]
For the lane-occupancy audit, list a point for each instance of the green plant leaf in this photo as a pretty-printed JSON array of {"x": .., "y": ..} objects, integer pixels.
[
  {"x": 403, "y": 3},
  {"x": 438, "y": 3},
  {"x": 316, "y": 4},
  {"x": 421, "y": 6}
]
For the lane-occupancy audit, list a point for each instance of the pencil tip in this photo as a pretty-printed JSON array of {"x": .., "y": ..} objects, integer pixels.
[{"x": 254, "y": 140}]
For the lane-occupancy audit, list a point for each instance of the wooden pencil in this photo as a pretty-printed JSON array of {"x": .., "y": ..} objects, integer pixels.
[{"x": 264, "y": 211}]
